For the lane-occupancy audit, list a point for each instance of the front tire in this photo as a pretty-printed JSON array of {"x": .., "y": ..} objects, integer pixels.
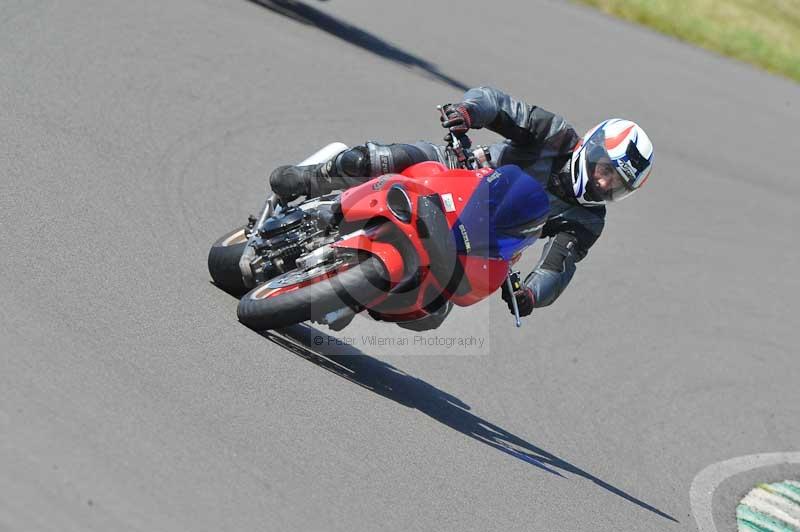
[
  {"x": 223, "y": 262},
  {"x": 266, "y": 307}
]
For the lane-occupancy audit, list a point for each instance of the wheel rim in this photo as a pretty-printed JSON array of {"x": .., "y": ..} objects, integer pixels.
[
  {"x": 296, "y": 279},
  {"x": 238, "y": 237}
]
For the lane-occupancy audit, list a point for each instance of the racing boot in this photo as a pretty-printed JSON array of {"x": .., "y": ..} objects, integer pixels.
[
  {"x": 347, "y": 169},
  {"x": 290, "y": 182}
]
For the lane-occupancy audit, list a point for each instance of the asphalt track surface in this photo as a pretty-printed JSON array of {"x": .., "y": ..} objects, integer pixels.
[{"x": 133, "y": 134}]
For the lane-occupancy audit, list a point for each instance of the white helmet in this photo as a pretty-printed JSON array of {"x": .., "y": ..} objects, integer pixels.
[{"x": 611, "y": 162}]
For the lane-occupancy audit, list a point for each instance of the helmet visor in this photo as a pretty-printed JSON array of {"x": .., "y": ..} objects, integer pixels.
[{"x": 606, "y": 180}]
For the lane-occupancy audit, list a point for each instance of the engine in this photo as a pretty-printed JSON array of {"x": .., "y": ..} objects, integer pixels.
[{"x": 284, "y": 239}]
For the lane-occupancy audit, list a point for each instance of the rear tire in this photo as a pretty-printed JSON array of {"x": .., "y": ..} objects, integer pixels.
[
  {"x": 354, "y": 287},
  {"x": 223, "y": 262}
]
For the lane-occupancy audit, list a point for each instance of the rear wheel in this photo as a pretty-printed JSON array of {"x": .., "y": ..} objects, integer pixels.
[
  {"x": 223, "y": 262},
  {"x": 303, "y": 295}
]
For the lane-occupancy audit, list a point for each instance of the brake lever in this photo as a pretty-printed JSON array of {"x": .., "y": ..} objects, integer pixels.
[
  {"x": 440, "y": 108},
  {"x": 510, "y": 287}
]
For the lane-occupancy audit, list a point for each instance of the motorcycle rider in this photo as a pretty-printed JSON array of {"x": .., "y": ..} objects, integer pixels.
[{"x": 580, "y": 175}]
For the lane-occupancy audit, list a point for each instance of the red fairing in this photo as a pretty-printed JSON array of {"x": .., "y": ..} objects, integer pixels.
[
  {"x": 369, "y": 200},
  {"x": 423, "y": 170},
  {"x": 485, "y": 277},
  {"x": 454, "y": 187}
]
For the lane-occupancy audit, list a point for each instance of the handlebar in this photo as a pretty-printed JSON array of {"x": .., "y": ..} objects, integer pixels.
[{"x": 459, "y": 152}]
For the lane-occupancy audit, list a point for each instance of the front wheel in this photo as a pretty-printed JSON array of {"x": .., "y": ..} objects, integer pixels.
[
  {"x": 223, "y": 262},
  {"x": 303, "y": 295}
]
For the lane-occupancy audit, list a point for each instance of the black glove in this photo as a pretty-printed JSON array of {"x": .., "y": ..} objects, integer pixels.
[
  {"x": 523, "y": 295},
  {"x": 456, "y": 118}
]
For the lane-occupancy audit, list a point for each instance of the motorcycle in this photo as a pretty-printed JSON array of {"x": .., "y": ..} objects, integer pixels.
[{"x": 401, "y": 247}]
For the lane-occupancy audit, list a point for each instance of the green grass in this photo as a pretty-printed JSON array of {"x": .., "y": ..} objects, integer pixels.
[{"x": 764, "y": 33}]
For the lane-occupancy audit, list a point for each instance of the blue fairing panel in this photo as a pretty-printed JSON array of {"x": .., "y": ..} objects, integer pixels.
[{"x": 503, "y": 215}]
